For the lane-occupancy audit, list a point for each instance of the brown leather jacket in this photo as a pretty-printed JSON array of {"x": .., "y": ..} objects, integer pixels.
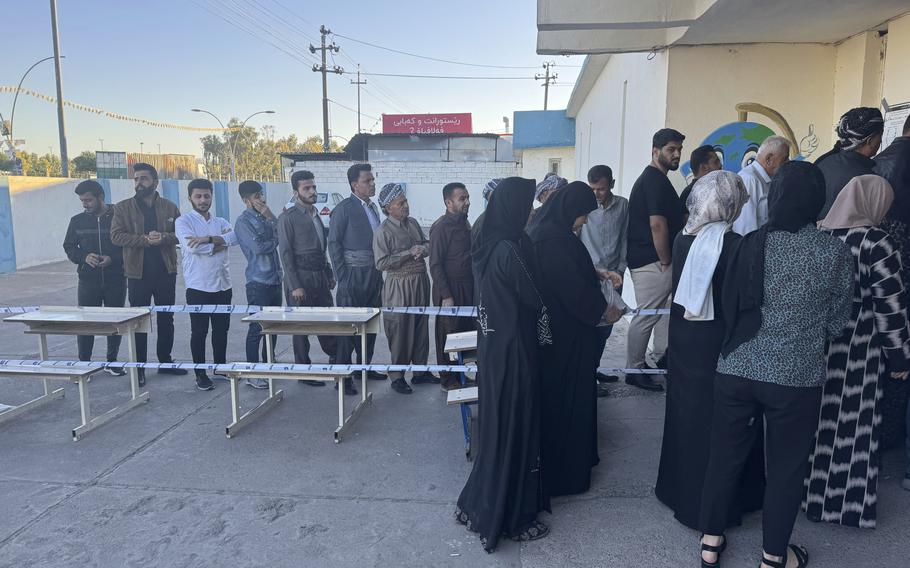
[{"x": 128, "y": 231}]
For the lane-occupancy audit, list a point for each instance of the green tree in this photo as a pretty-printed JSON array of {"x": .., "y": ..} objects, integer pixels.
[{"x": 84, "y": 163}]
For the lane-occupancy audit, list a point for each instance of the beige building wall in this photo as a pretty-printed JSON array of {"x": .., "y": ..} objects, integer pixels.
[
  {"x": 859, "y": 62},
  {"x": 896, "y": 84},
  {"x": 535, "y": 162}
]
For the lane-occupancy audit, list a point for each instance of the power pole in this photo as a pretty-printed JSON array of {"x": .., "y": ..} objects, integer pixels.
[
  {"x": 323, "y": 31},
  {"x": 64, "y": 158},
  {"x": 358, "y": 82},
  {"x": 547, "y": 80}
]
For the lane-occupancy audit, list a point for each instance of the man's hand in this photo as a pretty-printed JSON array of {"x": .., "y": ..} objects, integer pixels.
[
  {"x": 153, "y": 238},
  {"x": 263, "y": 209},
  {"x": 665, "y": 267},
  {"x": 298, "y": 294},
  {"x": 105, "y": 261},
  {"x": 614, "y": 277},
  {"x": 612, "y": 314},
  {"x": 93, "y": 260},
  {"x": 194, "y": 242},
  {"x": 901, "y": 376},
  {"x": 218, "y": 248},
  {"x": 417, "y": 252},
  {"x": 448, "y": 302}
]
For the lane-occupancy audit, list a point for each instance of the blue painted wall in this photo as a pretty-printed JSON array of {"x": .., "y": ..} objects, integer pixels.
[
  {"x": 542, "y": 129},
  {"x": 222, "y": 206},
  {"x": 7, "y": 242},
  {"x": 170, "y": 188}
]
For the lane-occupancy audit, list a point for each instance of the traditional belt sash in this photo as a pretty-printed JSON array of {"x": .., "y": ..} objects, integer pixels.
[{"x": 359, "y": 258}]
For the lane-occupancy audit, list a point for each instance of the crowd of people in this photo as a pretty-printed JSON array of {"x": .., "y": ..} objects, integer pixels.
[{"x": 786, "y": 348}]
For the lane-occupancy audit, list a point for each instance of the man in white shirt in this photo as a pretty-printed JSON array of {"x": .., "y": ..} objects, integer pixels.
[
  {"x": 772, "y": 154},
  {"x": 204, "y": 240}
]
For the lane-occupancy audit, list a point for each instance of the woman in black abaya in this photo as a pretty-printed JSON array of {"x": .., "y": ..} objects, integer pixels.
[
  {"x": 571, "y": 290},
  {"x": 503, "y": 494}
]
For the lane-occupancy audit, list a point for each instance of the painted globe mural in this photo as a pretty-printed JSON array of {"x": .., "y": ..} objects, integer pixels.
[{"x": 736, "y": 145}]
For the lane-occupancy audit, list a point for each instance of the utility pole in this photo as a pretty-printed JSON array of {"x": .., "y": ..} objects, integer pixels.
[
  {"x": 323, "y": 31},
  {"x": 547, "y": 80},
  {"x": 358, "y": 82},
  {"x": 64, "y": 158}
]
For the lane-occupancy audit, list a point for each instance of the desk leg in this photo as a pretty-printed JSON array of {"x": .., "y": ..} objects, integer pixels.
[
  {"x": 42, "y": 354},
  {"x": 270, "y": 357},
  {"x": 89, "y": 423},
  {"x": 84, "y": 404},
  {"x": 340, "y": 384},
  {"x": 363, "y": 360},
  {"x": 133, "y": 371},
  {"x": 34, "y": 403},
  {"x": 274, "y": 397},
  {"x": 235, "y": 398}
]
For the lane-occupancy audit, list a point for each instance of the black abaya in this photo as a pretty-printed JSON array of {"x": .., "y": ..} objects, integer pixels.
[{"x": 695, "y": 346}]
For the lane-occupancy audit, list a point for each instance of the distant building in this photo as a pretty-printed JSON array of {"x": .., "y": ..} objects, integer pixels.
[{"x": 544, "y": 142}]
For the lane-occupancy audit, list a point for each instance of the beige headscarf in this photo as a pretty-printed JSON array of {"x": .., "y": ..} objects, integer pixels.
[{"x": 863, "y": 202}]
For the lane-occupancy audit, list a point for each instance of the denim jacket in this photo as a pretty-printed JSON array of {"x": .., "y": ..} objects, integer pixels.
[{"x": 258, "y": 238}]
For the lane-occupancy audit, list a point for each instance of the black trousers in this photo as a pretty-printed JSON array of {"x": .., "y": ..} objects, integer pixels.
[
  {"x": 314, "y": 298},
  {"x": 199, "y": 326},
  {"x": 110, "y": 293},
  {"x": 163, "y": 288},
  {"x": 791, "y": 419}
]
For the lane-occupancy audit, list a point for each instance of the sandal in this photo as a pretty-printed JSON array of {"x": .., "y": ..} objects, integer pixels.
[
  {"x": 711, "y": 548},
  {"x": 534, "y": 531},
  {"x": 802, "y": 558}
]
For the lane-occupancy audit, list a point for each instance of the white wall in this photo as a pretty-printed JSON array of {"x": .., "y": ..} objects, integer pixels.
[
  {"x": 599, "y": 135},
  {"x": 535, "y": 162}
]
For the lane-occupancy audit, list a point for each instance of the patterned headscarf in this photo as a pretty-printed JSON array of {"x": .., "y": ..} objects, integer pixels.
[
  {"x": 488, "y": 189},
  {"x": 551, "y": 181},
  {"x": 389, "y": 193},
  {"x": 716, "y": 197},
  {"x": 857, "y": 125}
]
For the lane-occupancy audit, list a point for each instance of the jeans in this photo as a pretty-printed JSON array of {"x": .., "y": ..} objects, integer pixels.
[
  {"x": 907, "y": 442},
  {"x": 260, "y": 295},
  {"x": 110, "y": 293},
  {"x": 162, "y": 287},
  {"x": 199, "y": 326}
]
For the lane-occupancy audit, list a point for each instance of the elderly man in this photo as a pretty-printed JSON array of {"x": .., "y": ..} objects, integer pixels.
[
  {"x": 350, "y": 247},
  {"x": 551, "y": 184},
  {"x": 400, "y": 248},
  {"x": 859, "y": 136},
  {"x": 450, "y": 266},
  {"x": 773, "y": 153},
  {"x": 308, "y": 279}
]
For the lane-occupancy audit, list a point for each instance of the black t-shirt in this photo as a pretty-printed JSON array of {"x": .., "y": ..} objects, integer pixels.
[
  {"x": 652, "y": 194},
  {"x": 152, "y": 260}
]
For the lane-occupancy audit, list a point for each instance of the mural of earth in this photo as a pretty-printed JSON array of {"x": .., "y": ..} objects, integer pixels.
[{"x": 736, "y": 144}]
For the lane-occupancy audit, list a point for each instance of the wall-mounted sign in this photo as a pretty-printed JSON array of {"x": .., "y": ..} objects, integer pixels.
[{"x": 456, "y": 123}]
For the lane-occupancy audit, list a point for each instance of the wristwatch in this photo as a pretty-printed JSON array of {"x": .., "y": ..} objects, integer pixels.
[{"x": 211, "y": 240}]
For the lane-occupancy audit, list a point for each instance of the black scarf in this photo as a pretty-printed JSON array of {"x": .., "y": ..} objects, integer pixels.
[
  {"x": 555, "y": 219},
  {"x": 504, "y": 220},
  {"x": 795, "y": 199}
]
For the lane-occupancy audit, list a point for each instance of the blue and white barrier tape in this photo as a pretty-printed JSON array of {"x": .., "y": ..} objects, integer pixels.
[{"x": 449, "y": 311}]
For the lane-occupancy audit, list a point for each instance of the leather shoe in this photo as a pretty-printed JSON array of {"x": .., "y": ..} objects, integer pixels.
[
  {"x": 141, "y": 377},
  {"x": 425, "y": 379},
  {"x": 376, "y": 376},
  {"x": 602, "y": 378},
  {"x": 644, "y": 382},
  {"x": 348, "y": 387},
  {"x": 401, "y": 386},
  {"x": 171, "y": 371},
  {"x": 451, "y": 383},
  {"x": 312, "y": 383}
]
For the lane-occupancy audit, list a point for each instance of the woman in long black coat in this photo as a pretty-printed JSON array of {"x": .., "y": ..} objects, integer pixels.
[
  {"x": 571, "y": 291},
  {"x": 695, "y": 338},
  {"x": 503, "y": 494}
]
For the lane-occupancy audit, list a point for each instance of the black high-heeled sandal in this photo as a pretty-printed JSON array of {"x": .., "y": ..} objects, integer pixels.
[
  {"x": 801, "y": 554},
  {"x": 534, "y": 531},
  {"x": 711, "y": 548}
]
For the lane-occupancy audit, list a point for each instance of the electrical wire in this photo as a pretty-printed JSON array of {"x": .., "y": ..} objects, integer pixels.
[
  {"x": 470, "y": 77},
  {"x": 354, "y": 110}
]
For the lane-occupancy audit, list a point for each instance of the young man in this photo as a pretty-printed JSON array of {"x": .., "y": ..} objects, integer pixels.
[
  {"x": 605, "y": 238},
  {"x": 257, "y": 234},
  {"x": 450, "y": 267},
  {"x": 400, "y": 249},
  {"x": 354, "y": 221},
  {"x": 703, "y": 160},
  {"x": 144, "y": 227},
  {"x": 204, "y": 240},
  {"x": 100, "y": 264},
  {"x": 655, "y": 217},
  {"x": 308, "y": 278},
  {"x": 773, "y": 153}
]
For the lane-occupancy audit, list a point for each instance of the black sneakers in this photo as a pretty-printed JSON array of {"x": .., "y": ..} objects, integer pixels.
[
  {"x": 203, "y": 382},
  {"x": 425, "y": 379},
  {"x": 401, "y": 386}
]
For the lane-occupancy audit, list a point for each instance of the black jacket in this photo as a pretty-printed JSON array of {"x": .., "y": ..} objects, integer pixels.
[
  {"x": 893, "y": 164},
  {"x": 840, "y": 168},
  {"x": 89, "y": 233}
]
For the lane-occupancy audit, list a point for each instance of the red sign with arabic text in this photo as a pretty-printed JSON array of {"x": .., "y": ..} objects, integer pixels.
[{"x": 457, "y": 123}]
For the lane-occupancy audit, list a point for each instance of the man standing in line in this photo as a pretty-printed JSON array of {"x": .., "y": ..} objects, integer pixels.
[
  {"x": 450, "y": 267},
  {"x": 100, "y": 264},
  {"x": 400, "y": 248},
  {"x": 257, "y": 234},
  {"x": 354, "y": 221},
  {"x": 308, "y": 278},
  {"x": 144, "y": 227},
  {"x": 550, "y": 184},
  {"x": 204, "y": 240},
  {"x": 703, "y": 160},
  {"x": 773, "y": 153},
  {"x": 655, "y": 217},
  {"x": 605, "y": 238}
]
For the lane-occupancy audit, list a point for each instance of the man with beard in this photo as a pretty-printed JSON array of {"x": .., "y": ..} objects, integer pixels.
[
  {"x": 450, "y": 267},
  {"x": 144, "y": 227},
  {"x": 101, "y": 282},
  {"x": 350, "y": 247},
  {"x": 655, "y": 217},
  {"x": 702, "y": 161},
  {"x": 308, "y": 278},
  {"x": 204, "y": 240}
]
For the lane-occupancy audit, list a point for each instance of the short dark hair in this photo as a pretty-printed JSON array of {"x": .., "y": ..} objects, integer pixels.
[
  {"x": 449, "y": 188},
  {"x": 300, "y": 175},
  {"x": 700, "y": 156},
  {"x": 248, "y": 188},
  {"x": 143, "y": 167},
  {"x": 198, "y": 183},
  {"x": 666, "y": 135},
  {"x": 599, "y": 172},
  {"x": 354, "y": 171},
  {"x": 906, "y": 129},
  {"x": 90, "y": 186}
]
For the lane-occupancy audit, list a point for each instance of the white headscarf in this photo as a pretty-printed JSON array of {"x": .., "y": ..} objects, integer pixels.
[{"x": 715, "y": 202}]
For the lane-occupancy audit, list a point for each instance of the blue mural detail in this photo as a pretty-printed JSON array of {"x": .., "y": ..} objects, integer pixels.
[
  {"x": 222, "y": 207},
  {"x": 736, "y": 145},
  {"x": 7, "y": 241},
  {"x": 170, "y": 189}
]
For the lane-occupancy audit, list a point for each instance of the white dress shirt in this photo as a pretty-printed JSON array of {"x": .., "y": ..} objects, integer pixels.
[
  {"x": 203, "y": 268},
  {"x": 755, "y": 211},
  {"x": 370, "y": 209}
]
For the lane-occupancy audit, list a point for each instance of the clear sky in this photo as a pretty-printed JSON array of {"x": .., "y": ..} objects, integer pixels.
[{"x": 157, "y": 60}]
